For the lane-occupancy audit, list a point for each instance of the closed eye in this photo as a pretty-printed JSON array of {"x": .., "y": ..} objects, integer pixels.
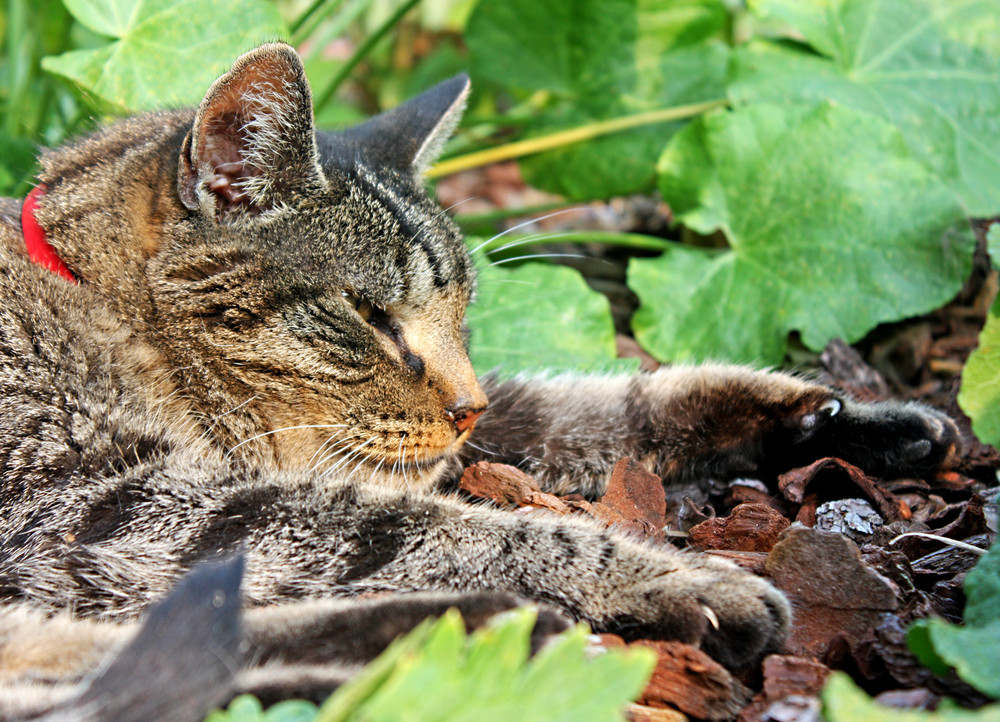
[{"x": 370, "y": 313}]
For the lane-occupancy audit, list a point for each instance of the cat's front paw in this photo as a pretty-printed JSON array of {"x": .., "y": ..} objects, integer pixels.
[
  {"x": 734, "y": 616},
  {"x": 886, "y": 439}
]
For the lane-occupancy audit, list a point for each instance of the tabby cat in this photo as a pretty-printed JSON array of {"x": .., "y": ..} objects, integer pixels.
[{"x": 255, "y": 345}]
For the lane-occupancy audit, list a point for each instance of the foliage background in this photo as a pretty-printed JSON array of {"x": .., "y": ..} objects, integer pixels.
[{"x": 821, "y": 158}]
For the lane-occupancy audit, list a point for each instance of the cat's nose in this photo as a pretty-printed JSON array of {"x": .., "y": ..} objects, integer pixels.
[{"x": 464, "y": 418}]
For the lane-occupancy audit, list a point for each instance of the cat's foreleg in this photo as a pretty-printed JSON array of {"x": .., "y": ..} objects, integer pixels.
[
  {"x": 305, "y": 540},
  {"x": 698, "y": 422},
  {"x": 591, "y": 574}
]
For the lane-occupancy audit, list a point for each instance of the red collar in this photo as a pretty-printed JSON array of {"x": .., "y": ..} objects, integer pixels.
[{"x": 39, "y": 249}]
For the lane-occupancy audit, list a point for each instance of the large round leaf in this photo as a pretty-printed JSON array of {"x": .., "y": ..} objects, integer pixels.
[
  {"x": 980, "y": 393},
  {"x": 539, "y": 317},
  {"x": 833, "y": 227},
  {"x": 599, "y": 60},
  {"x": 625, "y": 162},
  {"x": 166, "y": 52},
  {"x": 903, "y": 61}
]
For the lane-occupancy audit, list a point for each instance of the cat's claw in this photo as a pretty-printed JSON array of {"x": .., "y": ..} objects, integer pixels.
[
  {"x": 712, "y": 618},
  {"x": 831, "y": 408}
]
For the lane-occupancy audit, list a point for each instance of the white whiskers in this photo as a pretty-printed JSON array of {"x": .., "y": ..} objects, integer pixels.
[
  {"x": 527, "y": 223},
  {"x": 286, "y": 428}
]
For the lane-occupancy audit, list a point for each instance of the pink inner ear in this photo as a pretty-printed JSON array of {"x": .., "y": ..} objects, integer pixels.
[
  {"x": 250, "y": 133},
  {"x": 225, "y": 150}
]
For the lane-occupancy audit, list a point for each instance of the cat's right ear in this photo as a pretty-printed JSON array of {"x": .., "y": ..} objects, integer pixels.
[{"x": 253, "y": 141}]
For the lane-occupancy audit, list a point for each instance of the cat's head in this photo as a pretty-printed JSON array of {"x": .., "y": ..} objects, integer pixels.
[{"x": 316, "y": 286}]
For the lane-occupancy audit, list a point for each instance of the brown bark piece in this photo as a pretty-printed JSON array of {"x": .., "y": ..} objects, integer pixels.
[
  {"x": 909, "y": 699},
  {"x": 508, "y": 487},
  {"x": 807, "y": 512},
  {"x": 833, "y": 478},
  {"x": 749, "y": 528},
  {"x": 611, "y": 518},
  {"x": 689, "y": 680},
  {"x": 751, "y": 561},
  {"x": 953, "y": 481},
  {"x": 740, "y": 494},
  {"x": 636, "y": 493},
  {"x": 850, "y": 372},
  {"x": 641, "y": 713},
  {"x": 834, "y": 594},
  {"x": 971, "y": 521},
  {"x": 786, "y": 675},
  {"x": 611, "y": 640},
  {"x": 503, "y": 484}
]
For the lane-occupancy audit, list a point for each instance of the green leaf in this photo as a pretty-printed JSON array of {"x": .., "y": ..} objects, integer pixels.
[
  {"x": 973, "y": 649},
  {"x": 972, "y": 22},
  {"x": 598, "y": 60},
  {"x": 974, "y": 652},
  {"x": 979, "y": 395},
  {"x": 341, "y": 705},
  {"x": 444, "y": 677},
  {"x": 166, "y": 52},
  {"x": 489, "y": 678},
  {"x": 843, "y": 701},
  {"x": 982, "y": 591},
  {"x": 624, "y": 163},
  {"x": 245, "y": 708},
  {"x": 899, "y": 60},
  {"x": 993, "y": 244},
  {"x": 918, "y": 639},
  {"x": 833, "y": 228},
  {"x": 293, "y": 710},
  {"x": 537, "y": 316},
  {"x": 560, "y": 46}
]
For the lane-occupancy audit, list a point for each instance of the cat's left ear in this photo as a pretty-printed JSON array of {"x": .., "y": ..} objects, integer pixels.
[
  {"x": 413, "y": 134},
  {"x": 253, "y": 142}
]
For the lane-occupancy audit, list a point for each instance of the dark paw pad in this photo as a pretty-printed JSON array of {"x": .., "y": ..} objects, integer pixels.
[{"x": 894, "y": 439}]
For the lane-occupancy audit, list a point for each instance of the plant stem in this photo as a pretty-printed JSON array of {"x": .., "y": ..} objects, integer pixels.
[
  {"x": 637, "y": 241},
  {"x": 502, "y": 214},
  {"x": 362, "y": 51},
  {"x": 19, "y": 64},
  {"x": 570, "y": 136},
  {"x": 318, "y": 12},
  {"x": 298, "y": 22}
]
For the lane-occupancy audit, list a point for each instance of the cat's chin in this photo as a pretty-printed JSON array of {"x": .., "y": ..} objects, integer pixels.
[
  {"x": 390, "y": 471},
  {"x": 421, "y": 475}
]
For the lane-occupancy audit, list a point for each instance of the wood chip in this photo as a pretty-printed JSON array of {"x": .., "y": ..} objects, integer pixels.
[
  {"x": 636, "y": 493},
  {"x": 748, "y": 528},
  {"x": 508, "y": 487},
  {"x": 786, "y": 675},
  {"x": 751, "y": 561},
  {"x": 687, "y": 679},
  {"x": 833, "y": 592},
  {"x": 833, "y": 478},
  {"x": 642, "y": 713}
]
